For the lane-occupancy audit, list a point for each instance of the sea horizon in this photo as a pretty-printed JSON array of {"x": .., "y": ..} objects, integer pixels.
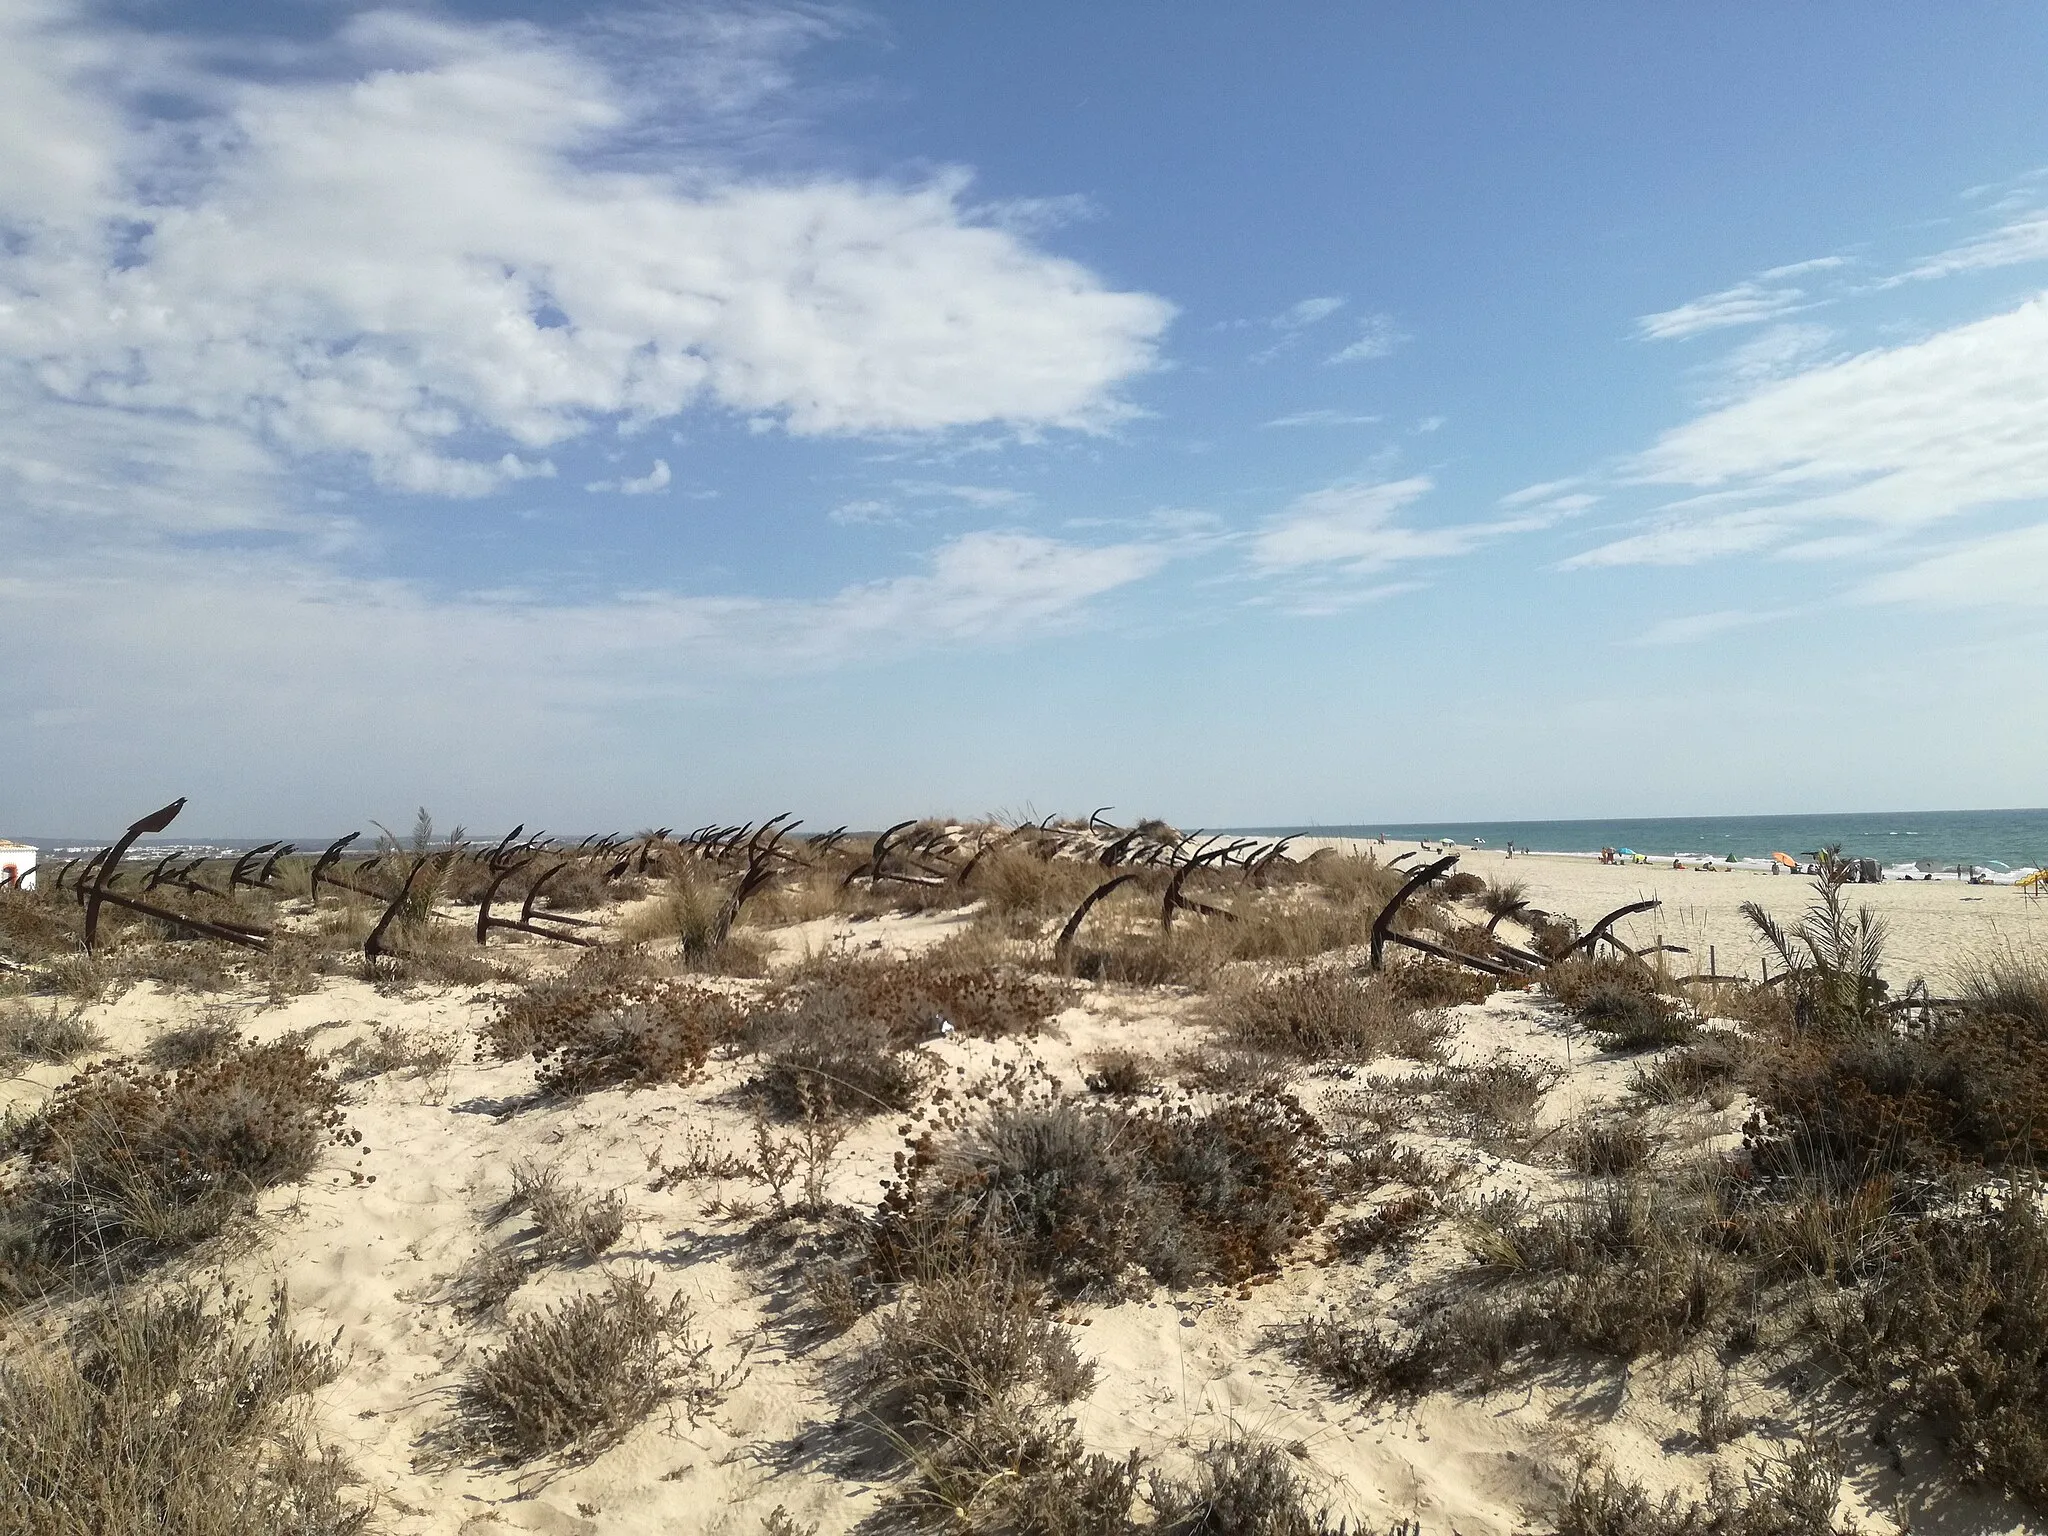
[{"x": 2013, "y": 839}]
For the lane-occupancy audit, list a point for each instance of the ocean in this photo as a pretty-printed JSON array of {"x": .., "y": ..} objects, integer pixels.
[{"x": 1997, "y": 842}]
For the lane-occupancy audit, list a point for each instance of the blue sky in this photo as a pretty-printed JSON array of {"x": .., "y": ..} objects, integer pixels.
[{"x": 1247, "y": 415}]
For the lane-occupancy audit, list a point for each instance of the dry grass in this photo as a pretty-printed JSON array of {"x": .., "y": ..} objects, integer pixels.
[
  {"x": 606, "y": 1022},
  {"x": 1621, "y": 1003},
  {"x": 1325, "y": 1014},
  {"x": 1089, "y": 1198},
  {"x": 568, "y": 1222},
  {"x": 2008, "y": 984},
  {"x": 573, "y": 1379},
  {"x": 390, "y": 1048},
  {"x": 1793, "y": 1495},
  {"x": 172, "y": 1415},
  {"x": 33, "y": 1032},
  {"x": 127, "y": 1165}
]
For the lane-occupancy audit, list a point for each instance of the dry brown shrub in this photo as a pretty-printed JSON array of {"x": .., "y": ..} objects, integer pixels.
[
  {"x": 605, "y": 1022},
  {"x": 216, "y": 1030},
  {"x": 911, "y": 998},
  {"x": 1080, "y": 1195},
  {"x": 1621, "y": 1002},
  {"x": 1119, "y": 1073},
  {"x": 1795, "y": 1495},
  {"x": 1424, "y": 983},
  {"x": 1599, "y": 1147},
  {"x": 573, "y": 1379},
  {"x": 1971, "y": 1090},
  {"x": 126, "y": 1165},
  {"x": 1326, "y": 1014},
  {"x": 172, "y": 1416},
  {"x": 1707, "y": 1068},
  {"x": 44, "y": 1032}
]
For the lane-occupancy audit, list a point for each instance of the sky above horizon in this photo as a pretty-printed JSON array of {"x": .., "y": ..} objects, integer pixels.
[{"x": 610, "y": 416}]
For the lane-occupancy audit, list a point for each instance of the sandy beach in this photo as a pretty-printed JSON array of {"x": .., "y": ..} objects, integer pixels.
[
  {"x": 1929, "y": 923},
  {"x": 372, "y": 1249}
]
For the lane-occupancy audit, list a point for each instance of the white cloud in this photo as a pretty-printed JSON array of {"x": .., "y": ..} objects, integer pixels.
[
  {"x": 1744, "y": 304},
  {"x": 365, "y": 669},
  {"x": 1321, "y": 418},
  {"x": 1854, "y": 453},
  {"x": 2000, "y": 570},
  {"x": 1794, "y": 268},
  {"x": 1351, "y": 525},
  {"x": 2021, "y": 240},
  {"x": 413, "y": 253},
  {"x": 656, "y": 479},
  {"x": 924, "y": 495},
  {"x": 1695, "y": 627},
  {"x": 867, "y": 511},
  {"x": 1378, "y": 337},
  {"x": 983, "y": 497},
  {"x": 252, "y": 622},
  {"x": 1774, "y": 353},
  {"x": 1355, "y": 530},
  {"x": 1308, "y": 312}
]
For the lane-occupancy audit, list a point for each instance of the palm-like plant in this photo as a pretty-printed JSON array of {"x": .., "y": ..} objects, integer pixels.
[{"x": 1831, "y": 960}]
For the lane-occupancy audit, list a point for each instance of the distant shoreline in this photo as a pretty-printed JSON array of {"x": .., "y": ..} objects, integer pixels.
[{"x": 2001, "y": 844}]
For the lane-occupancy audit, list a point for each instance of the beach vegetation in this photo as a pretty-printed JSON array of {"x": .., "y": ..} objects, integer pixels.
[
  {"x": 128, "y": 1165},
  {"x": 177, "y": 1413},
  {"x": 575, "y": 1378}
]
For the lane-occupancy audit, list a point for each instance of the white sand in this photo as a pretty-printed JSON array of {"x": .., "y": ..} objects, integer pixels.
[
  {"x": 370, "y": 1261},
  {"x": 1929, "y": 923}
]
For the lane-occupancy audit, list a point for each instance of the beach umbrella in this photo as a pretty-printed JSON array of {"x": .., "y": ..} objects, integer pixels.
[
  {"x": 1785, "y": 859},
  {"x": 1626, "y": 853}
]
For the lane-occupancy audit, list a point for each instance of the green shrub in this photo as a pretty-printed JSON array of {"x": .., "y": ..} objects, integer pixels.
[{"x": 1955, "y": 1332}]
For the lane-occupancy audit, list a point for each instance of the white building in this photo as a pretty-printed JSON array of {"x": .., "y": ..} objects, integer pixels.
[{"x": 17, "y": 864}]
